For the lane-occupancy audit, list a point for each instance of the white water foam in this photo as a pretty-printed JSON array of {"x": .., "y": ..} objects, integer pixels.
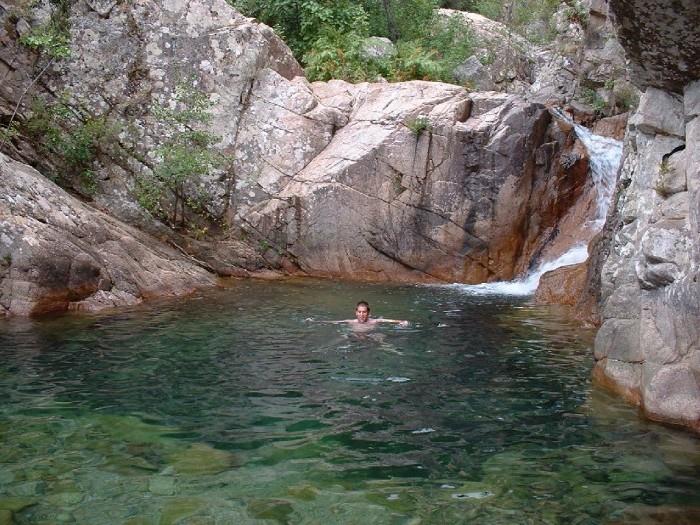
[
  {"x": 604, "y": 156},
  {"x": 528, "y": 284}
]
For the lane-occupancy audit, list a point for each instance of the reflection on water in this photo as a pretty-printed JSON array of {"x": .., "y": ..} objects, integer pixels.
[{"x": 231, "y": 407}]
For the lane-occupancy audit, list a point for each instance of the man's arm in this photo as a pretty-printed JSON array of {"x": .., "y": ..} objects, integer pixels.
[
  {"x": 312, "y": 320},
  {"x": 394, "y": 321}
]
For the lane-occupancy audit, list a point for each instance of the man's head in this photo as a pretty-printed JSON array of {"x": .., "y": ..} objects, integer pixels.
[{"x": 362, "y": 312}]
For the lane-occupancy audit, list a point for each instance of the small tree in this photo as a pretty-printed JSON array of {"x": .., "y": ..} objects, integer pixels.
[{"x": 184, "y": 157}]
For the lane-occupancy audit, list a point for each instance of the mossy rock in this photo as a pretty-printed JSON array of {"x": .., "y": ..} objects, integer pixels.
[
  {"x": 131, "y": 429},
  {"x": 271, "y": 509},
  {"x": 65, "y": 499},
  {"x": 201, "y": 458},
  {"x": 6, "y": 517},
  {"x": 303, "y": 492},
  {"x": 15, "y": 504},
  {"x": 176, "y": 509}
]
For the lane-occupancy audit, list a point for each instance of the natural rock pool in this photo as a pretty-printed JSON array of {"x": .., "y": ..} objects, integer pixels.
[{"x": 229, "y": 408}]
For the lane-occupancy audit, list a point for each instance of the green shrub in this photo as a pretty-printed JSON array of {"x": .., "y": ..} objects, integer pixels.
[
  {"x": 45, "y": 39},
  {"x": 577, "y": 12},
  {"x": 326, "y": 37},
  {"x": 338, "y": 55},
  {"x": 71, "y": 140},
  {"x": 626, "y": 98},
  {"x": 419, "y": 124},
  {"x": 301, "y": 22},
  {"x": 593, "y": 99},
  {"x": 187, "y": 154},
  {"x": 53, "y": 37}
]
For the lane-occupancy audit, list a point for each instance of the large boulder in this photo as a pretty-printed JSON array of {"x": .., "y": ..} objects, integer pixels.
[
  {"x": 57, "y": 253},
  {"x": 660, "y": 40},
  {"x": 427, "y": 182},
  {"x": 648, "y": 347},
  {"x": 502, "y": 60}
]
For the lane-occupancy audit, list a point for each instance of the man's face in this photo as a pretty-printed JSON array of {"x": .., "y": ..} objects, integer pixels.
[{"x": 362, "y": 314}]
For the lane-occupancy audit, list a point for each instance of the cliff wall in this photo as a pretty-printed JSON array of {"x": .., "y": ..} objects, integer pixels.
[{"x": 648, "y": 346}]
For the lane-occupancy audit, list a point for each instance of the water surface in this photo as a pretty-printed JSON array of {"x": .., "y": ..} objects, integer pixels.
[{"x": 231, "y": 407}]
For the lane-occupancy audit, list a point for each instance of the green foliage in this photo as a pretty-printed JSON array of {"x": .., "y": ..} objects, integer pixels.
[
  {"x": 44, "y": 39},
  {"x": 593, "y": 99},
  {"x": 72, "y": 141},
  {"x": 185, "y": 156},
  {"x": 665, "y": 170},
  {"x": 338, "y": 55},
  {"x": 577, "y": 12},
  {"x": 301, "y": 22},
  {"x": 489, "y": 8},
  {"x": 419, "y": 125},
  {"x": 9, "y": 133},
  {"x": 53, "y": 37},
  {"x": 411, "y": 18},
  {"x": 626, "y": 98},
  {"x": 327, "y": 36}
]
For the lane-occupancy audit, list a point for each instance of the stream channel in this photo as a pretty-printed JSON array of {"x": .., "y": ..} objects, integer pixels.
[{"x": 232, "y": 407}]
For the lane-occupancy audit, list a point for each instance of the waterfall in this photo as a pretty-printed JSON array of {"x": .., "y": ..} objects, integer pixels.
[{"x": 604, "y": 156}]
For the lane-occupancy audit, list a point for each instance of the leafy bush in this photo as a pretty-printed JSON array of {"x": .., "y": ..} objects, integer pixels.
[
  {"x": 593, "y": 99},
  {"x": 419, "y": 125},
  {"x": 72, "y": 140},
  {"x": 52, "y": 38},
  {"x": 170, "y": 190},
  {"x": 326, "y": 37},
  {"x": 302, "y": 22}
]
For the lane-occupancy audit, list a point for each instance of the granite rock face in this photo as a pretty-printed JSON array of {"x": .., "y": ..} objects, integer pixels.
[
  {"x": 648, "y": 346},
  {"x": 407, "y": 181},
  {"x": 660, "y": 40},
  {"x": 57, "y": 253},
  {"x": 426, "y": 182}
]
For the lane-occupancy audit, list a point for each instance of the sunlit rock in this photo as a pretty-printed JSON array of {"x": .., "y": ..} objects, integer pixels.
[{"x": 58, "y": 253}]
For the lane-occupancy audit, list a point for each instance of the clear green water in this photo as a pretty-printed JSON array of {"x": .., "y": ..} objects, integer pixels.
[{"x": 227, "y": 407}]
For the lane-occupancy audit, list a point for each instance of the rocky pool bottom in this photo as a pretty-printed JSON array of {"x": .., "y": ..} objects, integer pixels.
[{"x": 231, "y": 407}]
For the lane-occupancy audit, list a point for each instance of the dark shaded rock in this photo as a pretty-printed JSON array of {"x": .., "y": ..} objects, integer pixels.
[{"x": 660, "y": 41}]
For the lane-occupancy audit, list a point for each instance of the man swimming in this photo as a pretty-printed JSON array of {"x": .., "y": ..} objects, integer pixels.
[{"x": 363, "y": 319}]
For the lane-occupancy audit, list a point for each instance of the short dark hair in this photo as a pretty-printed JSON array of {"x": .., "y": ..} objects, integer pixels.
[{"x": 363, "y": 303}]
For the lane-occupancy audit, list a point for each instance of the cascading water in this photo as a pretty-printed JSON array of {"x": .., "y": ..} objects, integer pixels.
[{"x": 604, "y": 155}]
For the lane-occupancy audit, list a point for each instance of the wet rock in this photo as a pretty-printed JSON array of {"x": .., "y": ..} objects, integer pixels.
[
  {"x": 15, "y": 503},
  {"x": 613, "y": 127},
  {"x": 177, "y": 509},
  {"x": 162, "y": 485},
  {"x": 278, "y": 510},
  {"x": 6, "y": 517},
  {"x": 201, "y": 459},
  {"x": 563, "y": 285}
]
